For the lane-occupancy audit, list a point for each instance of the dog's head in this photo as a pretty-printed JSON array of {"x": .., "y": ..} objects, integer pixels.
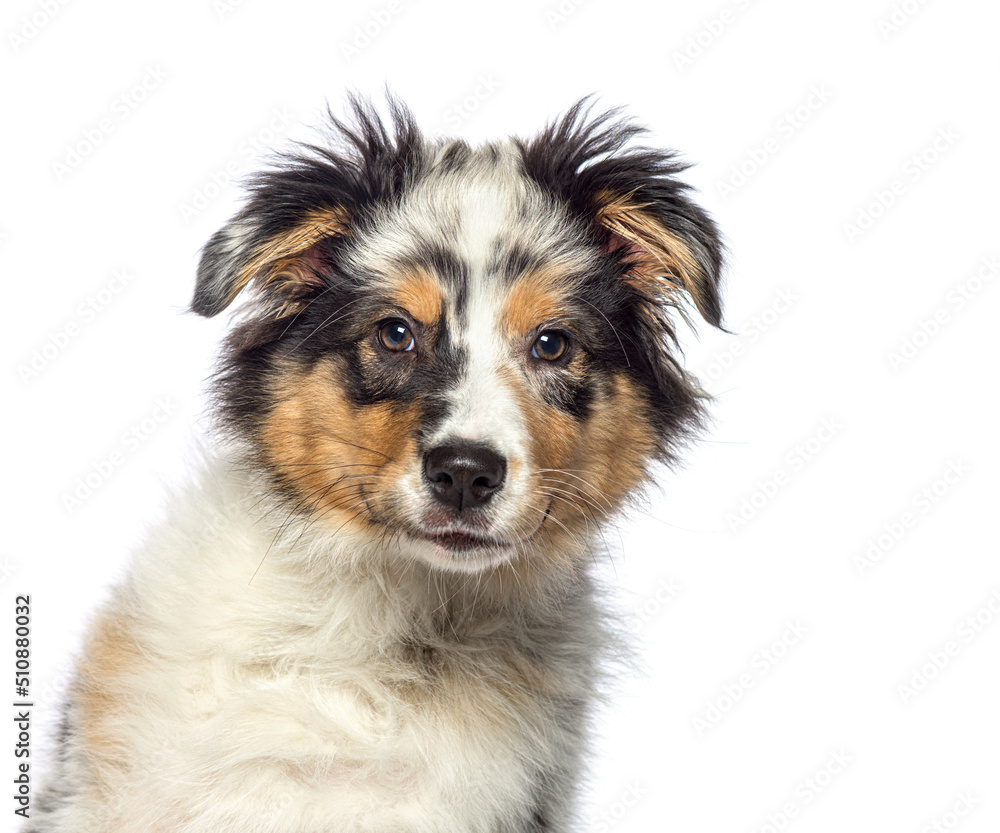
[{"x": 466, "y": 348}]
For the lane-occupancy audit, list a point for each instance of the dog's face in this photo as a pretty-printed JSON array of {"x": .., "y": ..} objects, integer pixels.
[{"x": 464, "y": 352}]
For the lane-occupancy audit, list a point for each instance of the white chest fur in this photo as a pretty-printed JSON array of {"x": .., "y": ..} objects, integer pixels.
[{"x": 336, "y": 690}]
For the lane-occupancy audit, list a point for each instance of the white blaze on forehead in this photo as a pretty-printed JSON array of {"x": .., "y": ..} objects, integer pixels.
[
  {"x": 483, "y": 408},
  {"x": 487, "y": 208},
  {"x": 481, "y": 196},
  {"x": 466, "y": 211}
]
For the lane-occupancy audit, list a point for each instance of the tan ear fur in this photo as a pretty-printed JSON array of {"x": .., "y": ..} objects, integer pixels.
[
  {"x": 655, "y": 251},
  {"x": 284, "y": 261}
]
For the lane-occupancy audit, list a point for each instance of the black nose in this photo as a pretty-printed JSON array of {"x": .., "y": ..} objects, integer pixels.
[{"x": 464, "y": 475}]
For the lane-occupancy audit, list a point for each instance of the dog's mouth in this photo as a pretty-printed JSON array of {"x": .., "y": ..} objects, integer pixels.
[
  {"x": 462, "y": 541},
  {"x": 458, "y": 541}
]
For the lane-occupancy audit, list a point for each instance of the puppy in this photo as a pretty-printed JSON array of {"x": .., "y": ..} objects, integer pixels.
[{"x": 373, "y": 611}]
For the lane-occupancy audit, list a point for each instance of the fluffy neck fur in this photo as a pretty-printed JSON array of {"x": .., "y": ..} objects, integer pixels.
[{"x": 317, "y": 677}]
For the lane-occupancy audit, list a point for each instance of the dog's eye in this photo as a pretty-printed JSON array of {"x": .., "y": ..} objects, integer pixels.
[
  {"x": 550, "y": 346},
  {"x": 396, "y": 336}
]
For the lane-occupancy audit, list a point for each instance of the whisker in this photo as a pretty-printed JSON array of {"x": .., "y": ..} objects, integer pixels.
[
  {"x": 320, "y": 326},
  {"x": 324, "y": 465},
  {"x": 572, "y": 497},
  {"x": 612, "y": 326},
  {"x": 322, "y": 493},
  {"x": 569, "y": 472},
  {"x": 330, "y": 436},
  {"x": 304, "y": 308}
]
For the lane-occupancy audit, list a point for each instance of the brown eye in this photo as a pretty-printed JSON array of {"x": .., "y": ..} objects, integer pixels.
[
  {"x": 550, "y": 346},
  {"x": 396, "y": 336}
]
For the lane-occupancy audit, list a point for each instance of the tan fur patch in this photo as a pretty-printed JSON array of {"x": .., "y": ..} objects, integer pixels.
[
  {"x": 617, "y": 443},
  {"x": 276, "y": 257},
  {"x": 336, "y": 457},
  {"x": 111, "y": 655},
  {"x": 420, "y": 295},
  {"x": 590, "y": 469},
  {"x": 554, "y": 439},
  {"x": 533, "y": 300},
  {"x": 663, "y": 253}
]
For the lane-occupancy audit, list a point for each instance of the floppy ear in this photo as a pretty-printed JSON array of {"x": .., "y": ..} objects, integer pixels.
[
  {"x": 633, "y": 201},
  {"x": 298, "y": 212},
  {"x": 282, "y": 260},
  {"x": 670, "y": 245}
]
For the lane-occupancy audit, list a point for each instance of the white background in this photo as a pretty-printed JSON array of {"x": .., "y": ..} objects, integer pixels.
[{"x": 859, "y": 385}]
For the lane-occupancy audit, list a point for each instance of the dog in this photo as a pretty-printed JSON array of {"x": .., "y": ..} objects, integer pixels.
[{"x": 374, "y": 609}]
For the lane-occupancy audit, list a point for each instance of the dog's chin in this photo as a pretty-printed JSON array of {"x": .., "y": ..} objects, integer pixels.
[{"x": 460, "y": 551}]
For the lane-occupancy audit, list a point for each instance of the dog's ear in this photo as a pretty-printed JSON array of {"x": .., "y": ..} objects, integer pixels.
[
  {"x": 634, "y": 203},
  {"x": 280, "y": 256},
  {"x": 282, "y": 241},
  {"x": 670, "y": 246}
]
